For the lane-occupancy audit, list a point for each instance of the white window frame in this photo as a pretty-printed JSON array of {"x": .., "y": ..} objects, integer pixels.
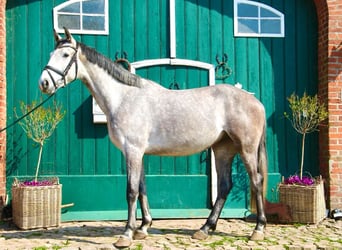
[
  {"x": 56, "y": 12},
  {"x": 280, "y": 17}
]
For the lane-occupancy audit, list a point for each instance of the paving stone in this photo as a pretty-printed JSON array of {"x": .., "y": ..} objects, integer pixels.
[
  {"x": 175, "y": 234},
  {"x": 295, "y": 247}
]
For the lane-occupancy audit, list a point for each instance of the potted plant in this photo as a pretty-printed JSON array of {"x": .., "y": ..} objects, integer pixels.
[
  {"x": 304, "y": 194},
  {"x": 37, "y": 202}
]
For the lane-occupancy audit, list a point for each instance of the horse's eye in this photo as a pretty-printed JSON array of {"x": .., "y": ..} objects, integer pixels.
[{"x": 65, "y": 55}]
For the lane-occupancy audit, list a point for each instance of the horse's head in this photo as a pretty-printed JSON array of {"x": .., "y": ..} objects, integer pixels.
[{"x": 62, "y": 66}]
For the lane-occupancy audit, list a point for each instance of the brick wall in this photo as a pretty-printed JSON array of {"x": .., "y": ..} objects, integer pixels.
[
  {"x": 2, "y": 101},
  {"x": 334, "y": 86},
  {"x": 330, "y": 90}
]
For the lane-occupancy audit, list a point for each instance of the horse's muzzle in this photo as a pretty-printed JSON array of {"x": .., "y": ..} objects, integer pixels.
[{"x": 45, "y": 86}]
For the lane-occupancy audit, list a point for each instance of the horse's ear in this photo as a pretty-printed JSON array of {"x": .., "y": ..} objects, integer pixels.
[
  {"x": 67, "y": 34},
  {"x": 57, "y": 37}
]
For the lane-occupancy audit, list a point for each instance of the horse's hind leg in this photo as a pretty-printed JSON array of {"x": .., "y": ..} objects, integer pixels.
[
  {"x": 223, "y": 162},
  {"x": 141, "y": 233},
  {"x": 256, "y": 179}
]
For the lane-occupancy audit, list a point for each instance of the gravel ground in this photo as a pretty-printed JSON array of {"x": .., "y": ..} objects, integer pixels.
[{"x": 174, "y": 234}]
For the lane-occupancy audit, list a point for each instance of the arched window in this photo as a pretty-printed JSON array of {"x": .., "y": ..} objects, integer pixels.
[
  {"x": 82, "y": 16},
  {"x": 254, "y": 19}
]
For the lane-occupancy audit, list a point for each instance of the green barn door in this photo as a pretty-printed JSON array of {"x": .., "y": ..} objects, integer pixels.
[
  {"x": 269, "y": 67},
  {"x": 91, "y": 169}
]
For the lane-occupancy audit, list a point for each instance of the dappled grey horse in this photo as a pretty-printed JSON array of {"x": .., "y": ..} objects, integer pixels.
[{"x": 146, "y": 118}]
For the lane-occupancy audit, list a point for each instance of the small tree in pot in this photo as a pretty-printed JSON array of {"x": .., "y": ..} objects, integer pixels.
[
  {"x": 307, "y": 113},
  {"x": 40, "y": 124},
  {"x": 37, "y": 203},
  {"x": 304, "y": 194}
]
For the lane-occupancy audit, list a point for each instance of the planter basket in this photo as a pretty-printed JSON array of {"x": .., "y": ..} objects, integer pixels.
[
  {"x": 307, "y": 203},
  {"x": 36, "y": 206}
]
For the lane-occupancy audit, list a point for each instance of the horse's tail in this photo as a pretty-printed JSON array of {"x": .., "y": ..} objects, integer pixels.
[
  {"x": 262, "y": 168},
  {"x": 263, "y": 162}
]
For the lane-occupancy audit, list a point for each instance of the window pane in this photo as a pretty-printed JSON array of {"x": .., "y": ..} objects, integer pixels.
[
  {"x": 93, "y": 23},
  {"x": 71, "y": 8},
  {"x": 248, "y": 26},
  {"x": 247, "y": 10},
  {"x": 93, "y": 7},
  {"x": 267, "y": 13},
  {"x": 270, "y": 26},
  {"x": 69, "y": 21}
]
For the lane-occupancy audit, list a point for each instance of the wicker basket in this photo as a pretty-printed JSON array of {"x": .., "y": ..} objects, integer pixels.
[
  {"x": 36, "y": 206},
  {"x": 307, "y": 203}
]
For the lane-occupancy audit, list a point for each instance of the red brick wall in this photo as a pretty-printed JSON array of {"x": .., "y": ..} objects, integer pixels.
[
  {"x": 330, "y": 90},
  {"x": 2, "y": 101}
]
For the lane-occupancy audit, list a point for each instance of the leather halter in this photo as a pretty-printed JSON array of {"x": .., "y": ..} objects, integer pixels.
[{"x": 63, "y": 74}]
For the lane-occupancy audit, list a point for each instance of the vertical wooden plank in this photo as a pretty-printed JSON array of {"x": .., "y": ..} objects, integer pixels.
[
  {"x": 216, "y": 32},
  {"x": 127, "y": 22},
  {"x": 20, "y": 82},
  {"x": 140, "y": 46},
  {"x": 253, "y": 71},
  {"x": 290, "y": 83},
  {"x": 241, "y": 61},
  {"x": 164, "y": 39},
  {"x": 10, "y": 136},
  {"x": 180, "y": 32},
  {"x": 228, "y": 36},
  {"x": 203, "y": 27},
  {"x": 191, "y": 30}
]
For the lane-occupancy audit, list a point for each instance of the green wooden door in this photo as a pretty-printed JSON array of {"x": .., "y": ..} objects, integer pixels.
[{"x": 91, "y": 169}]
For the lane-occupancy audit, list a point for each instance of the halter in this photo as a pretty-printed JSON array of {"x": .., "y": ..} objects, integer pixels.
[{"x": 66, "y": 70}]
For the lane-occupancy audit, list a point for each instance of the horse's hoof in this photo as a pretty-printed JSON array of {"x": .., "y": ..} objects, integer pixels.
[
  {"x": 200, "y": 235},
  {"x": 139, "y": 235},
  {"x": 257, "y": 235},
  {"x": 123, "y": 242}
]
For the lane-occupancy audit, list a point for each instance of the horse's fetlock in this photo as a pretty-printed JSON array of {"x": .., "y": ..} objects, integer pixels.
[{"x": 213, "y": 227}]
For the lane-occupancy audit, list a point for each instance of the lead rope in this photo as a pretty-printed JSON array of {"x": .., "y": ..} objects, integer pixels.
[{"x": 28, "y": 113}]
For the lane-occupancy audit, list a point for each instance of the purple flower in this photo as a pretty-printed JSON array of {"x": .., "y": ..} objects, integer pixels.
[
  {"x": 37, "y": 183},
  {"x": 295, "y": 179}
]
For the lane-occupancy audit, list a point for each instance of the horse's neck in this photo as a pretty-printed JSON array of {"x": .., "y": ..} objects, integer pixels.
[{"x": 106, "y": 90}]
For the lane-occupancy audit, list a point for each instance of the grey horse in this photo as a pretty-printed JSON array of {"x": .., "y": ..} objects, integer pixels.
[{"x": 146, "y": 118}]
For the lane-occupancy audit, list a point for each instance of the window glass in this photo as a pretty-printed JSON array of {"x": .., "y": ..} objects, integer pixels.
[
  {"x": 270, "y": 26},
  {"x": 248, "y": 26},
  {"x": 93, "y": 7},
  {"x": 255, "y": 19},
  {"x": 247, "y": 10},
  {"x": 82, "y": 16},
  {"x": 267, "y": 13},
  {"x": 93, "y": 23},
  {"x": 70, "y": 21},
  {"x": 71, "y": 8}
]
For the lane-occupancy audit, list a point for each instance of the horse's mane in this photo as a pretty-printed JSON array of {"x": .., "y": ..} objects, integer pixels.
[{"x": 113, "y": 69}]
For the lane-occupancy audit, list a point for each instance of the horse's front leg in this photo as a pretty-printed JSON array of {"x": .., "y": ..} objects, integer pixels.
[{"x": 134, "y": 166}]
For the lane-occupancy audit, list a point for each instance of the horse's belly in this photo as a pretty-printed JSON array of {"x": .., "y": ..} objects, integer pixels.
[{"x": 180, "y": 146}]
